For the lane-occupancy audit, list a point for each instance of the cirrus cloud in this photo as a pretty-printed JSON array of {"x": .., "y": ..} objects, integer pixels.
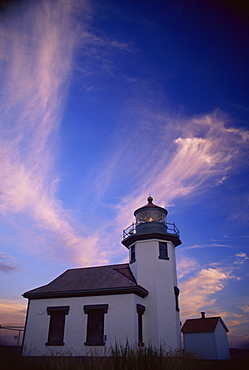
[
  {"x": 8, "y": 264},
  {"x": 185, "y": 153},
  {"x": 36, "y": 56},
  {"x": 198, "y": 292}
]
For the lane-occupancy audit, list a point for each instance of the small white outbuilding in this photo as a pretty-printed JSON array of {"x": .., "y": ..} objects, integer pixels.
[{"x": 206, "y": 336}]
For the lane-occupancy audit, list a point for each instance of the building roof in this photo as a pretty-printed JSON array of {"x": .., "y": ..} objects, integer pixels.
[
  {"x": 100, "y": 280},
  {"x": 150, "y": 204},
  {"x": 207, "y": 324}
]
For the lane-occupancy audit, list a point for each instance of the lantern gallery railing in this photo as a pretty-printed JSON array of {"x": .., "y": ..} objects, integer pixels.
[{"x": 170, "y": 228}]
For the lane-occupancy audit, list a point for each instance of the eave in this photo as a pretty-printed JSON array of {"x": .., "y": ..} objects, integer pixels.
[
  {"x": 167, "y": 237},
  {"x": 138, "y": 290}
]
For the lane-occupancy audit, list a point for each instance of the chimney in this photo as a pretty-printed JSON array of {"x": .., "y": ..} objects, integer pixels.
[{"x": 203, "y": 315}]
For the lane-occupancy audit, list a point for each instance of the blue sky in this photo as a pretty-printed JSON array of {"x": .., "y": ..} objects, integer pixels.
[{"x": 104, "y": 103}]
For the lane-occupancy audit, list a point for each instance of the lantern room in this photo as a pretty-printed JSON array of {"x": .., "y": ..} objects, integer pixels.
[
  {"x": 151, "y": 223},
  {"x": 150, "y": 218},
  {"x": 150, "y": 212}
]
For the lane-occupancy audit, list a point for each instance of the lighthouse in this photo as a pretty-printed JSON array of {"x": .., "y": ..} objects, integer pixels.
[
  {"x": 91, "y": 309},
  {"x": 151, "y": 242}
]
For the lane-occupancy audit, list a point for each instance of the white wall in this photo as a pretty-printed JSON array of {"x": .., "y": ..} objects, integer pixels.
[
  {"x": 221, "y": 343},
  {"x": 158, "y": 276},
  {"x": 213, "y": 345},
  {"x": 202, "y": 344},
  {"x": 120, "y": 324}
]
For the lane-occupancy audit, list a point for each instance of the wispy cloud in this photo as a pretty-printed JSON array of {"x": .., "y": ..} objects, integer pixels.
[
  {"x": 186, "y": 266},
  {"x": 8, "y": 264},
  {"x": 36, "y": 57},
  {"x": 241, "y": 258},
  {"x": 169, "y": 158},
  {"x": 245, "y": 308},
  {"x": 12, "y": 312},
  {"x": 179, "y": 156},
  {"x": 238, "y": 327},
  {"x": 210, "y": 245},
  {"x": 204, "y": 289},
  {"x": 241, "y": 255},
  {"x": 198, "y": 292},
  {"x": 101, "y": 53}
]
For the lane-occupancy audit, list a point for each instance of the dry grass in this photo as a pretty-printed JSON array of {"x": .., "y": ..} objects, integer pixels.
[{"x": 121, "y": 358}]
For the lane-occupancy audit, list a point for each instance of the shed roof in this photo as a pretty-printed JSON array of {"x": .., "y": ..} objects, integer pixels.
[
  {"x": 201, "y": 325},
  {"x": 89, "y": 281}
]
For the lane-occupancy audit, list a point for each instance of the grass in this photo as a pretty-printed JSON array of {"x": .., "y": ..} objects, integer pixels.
[{"x": 121, "y": 358}]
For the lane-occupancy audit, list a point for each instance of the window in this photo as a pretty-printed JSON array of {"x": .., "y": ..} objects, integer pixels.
[
  {"x": 177, "y": 292},
  {"x": 140, "y": 312},
  {"x": 56, "y": 325},
  {"x": 163, "y": 251},
  {"x": 133, "y": 254},
  {"x": 95, "y": 324}
]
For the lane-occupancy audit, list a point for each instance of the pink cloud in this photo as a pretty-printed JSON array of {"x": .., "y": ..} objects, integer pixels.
[
  {"x": 12, "y": 312},
  {"x": 198, "y": 292},
  {"x": 205, "y": 148},
  {"x": 39, "y": 47},
  {"x": 186, "y": 266}
]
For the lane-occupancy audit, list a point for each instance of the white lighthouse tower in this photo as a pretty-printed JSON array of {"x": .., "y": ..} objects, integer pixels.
[{"x": 151, "y": 242}]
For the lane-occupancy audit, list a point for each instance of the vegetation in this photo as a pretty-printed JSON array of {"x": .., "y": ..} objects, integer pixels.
[{"x": 121, "y": 358}]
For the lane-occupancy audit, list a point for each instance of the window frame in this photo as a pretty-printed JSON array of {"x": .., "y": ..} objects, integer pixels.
[
  {"x": 177, "y": 292},
  {"x": 133, "y": 253},
  {"x": 56, "y": 326},
  {"x": 90, "y": 310},
  {"x": 140, "y": 312},
  {"x": 163, "y": 251}
]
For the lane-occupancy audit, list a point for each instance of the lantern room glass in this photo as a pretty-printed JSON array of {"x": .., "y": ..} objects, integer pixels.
[{"x": 150, "y": 215}]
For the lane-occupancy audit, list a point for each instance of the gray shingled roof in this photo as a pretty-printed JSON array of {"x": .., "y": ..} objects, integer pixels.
[
  {"x": 207, "y": 324},
  {"x": 100, "y": 280}
]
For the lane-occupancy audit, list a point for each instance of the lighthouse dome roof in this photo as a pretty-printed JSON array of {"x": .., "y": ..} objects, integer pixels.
[{"x": 150, "y": 205}]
